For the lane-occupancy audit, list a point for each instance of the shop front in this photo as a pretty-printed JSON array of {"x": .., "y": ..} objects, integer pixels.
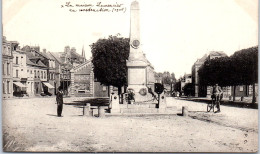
[
  {"x": 19, "y": 89},
  {"x": 48, "y": 89}
]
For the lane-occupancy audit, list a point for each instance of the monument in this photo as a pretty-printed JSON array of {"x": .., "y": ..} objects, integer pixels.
[{"x": 140, "y": 71}]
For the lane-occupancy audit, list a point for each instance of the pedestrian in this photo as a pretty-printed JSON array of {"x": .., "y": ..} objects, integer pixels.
[
  {"x": 59, "y": 99},
  {"x": 216, "y": 95}
]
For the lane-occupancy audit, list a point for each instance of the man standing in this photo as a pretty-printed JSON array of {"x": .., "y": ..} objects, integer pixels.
[
  {"x": 59, "y": 99},
  {"x": 216, "y": 95}
]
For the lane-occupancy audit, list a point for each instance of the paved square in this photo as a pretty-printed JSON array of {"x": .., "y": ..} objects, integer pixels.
[{"x": 32, "y": 125}]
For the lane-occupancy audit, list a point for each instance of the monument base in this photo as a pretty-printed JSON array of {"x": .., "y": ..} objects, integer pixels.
[{"x": 141, "y": 94}]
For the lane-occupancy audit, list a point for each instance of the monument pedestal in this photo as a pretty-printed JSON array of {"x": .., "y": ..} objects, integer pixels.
[{"x": 137, "y": 79}]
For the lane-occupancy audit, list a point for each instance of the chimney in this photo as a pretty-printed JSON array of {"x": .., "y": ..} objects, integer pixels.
[{"x": 44, "y": 50}]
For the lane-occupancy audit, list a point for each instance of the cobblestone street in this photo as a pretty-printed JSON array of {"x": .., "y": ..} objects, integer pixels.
[{"x": 32, "y": 125}]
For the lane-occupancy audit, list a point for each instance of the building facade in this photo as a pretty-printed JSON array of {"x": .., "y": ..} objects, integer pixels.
[
  {"x": 7, "y": 69},
  {"x": 19, "y": 71}
]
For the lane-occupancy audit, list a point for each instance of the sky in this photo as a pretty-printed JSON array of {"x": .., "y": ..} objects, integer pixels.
[{"x": 174, "y": 33}]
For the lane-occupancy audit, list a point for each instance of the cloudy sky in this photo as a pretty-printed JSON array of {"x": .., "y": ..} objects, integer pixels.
[{"x": 174, "y": 33}]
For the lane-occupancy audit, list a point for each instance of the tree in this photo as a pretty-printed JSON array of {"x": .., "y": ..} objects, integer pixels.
[
  {"x": 215, "y": 71},
  {"x": 188, "y": 89},
  {"x": 166, "y": 77},
  {"x": 109, "y": 60},
  {"x": 246, "y": 70},
  {"x": 177, "y": 86}
]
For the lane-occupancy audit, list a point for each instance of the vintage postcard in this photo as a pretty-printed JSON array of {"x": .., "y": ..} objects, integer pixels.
[{"x": 130, "y": 75}]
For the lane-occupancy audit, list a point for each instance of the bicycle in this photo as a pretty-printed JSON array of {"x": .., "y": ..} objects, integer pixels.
[
  {"x": 211, "y": 105},
  {"x": 215, "y": 99}
]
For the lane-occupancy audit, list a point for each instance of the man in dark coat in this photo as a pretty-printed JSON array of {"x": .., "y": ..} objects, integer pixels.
[
  {"x": 217, "y": 95},
  {"x": 59, "y": 99}
]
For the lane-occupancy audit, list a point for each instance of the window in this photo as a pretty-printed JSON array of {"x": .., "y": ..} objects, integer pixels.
[
  {"x": 5, "y": 50},
  {"x": 3, "y": 69},
  {"x": 35, "y": 75},
  {"x": 8, "y": 68},
  {"x": 41, "y": 75},
  {"x": 241, "y": 88},
  {"x": 3, "y": 87},
  {"x": 21, "y": 69},
  {"x": 17, "y": 73},
  {"x": 104, "y": 88},
  {"x": 16, "y": 61},
  {"x": 44, "y": 75},
  {"x": 31, "y": 71},
  {"x": 22, "y": 60},
  {"x": 27, "y": 71},
  {"x": 8, "y": 87},
  {"x": 38, "y": 74}
]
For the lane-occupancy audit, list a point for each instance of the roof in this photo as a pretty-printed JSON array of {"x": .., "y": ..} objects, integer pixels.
[
  {"x": 202, "y": 59},
  {"x": 34, "y": 62},
  {"x": 19, "y": 51},
  {"x": 29, "y": 62},
  {"x": 43, "y": 54},
  {"x": 56, "y": 56},
  {"x": 41, "y": 64},
  {"x": 84, "y": 71},
  {"x": 187, "y": 75},
  {"x": 74, "y": 53},
  {"x": 217, "y": 53}
]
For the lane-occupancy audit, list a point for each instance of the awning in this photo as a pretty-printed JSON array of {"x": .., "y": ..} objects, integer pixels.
[
  {"x": 23, "y": 79},
  {"x": 48, "y": 85},
  {"x": 19, "y": 84}
]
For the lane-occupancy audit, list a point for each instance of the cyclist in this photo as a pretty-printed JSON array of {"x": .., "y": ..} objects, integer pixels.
[{"x": 216, "y": 95}]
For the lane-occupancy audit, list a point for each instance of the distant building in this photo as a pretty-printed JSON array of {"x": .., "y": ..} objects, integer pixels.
[
  {"x": 7, "y": 68},
  {"x": 158, "y": 78},
  {"x": 82, "y": 80},
  {"x": 64, "y": 63},
  {"x": 38, "y": 64},
  {"x": 185, "y": 80}
]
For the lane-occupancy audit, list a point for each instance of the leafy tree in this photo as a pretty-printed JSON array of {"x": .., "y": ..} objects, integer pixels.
[
  {"x": 177, "y": 86},
  {"x": 173, "y": 77},
  {"x": 246, "y": 70},
  {"x": 215, "y": 71},
  {"x": 109, "y": 60},
  {"x": 188, "y": 89},
  {"x": 166, "y": 77}
]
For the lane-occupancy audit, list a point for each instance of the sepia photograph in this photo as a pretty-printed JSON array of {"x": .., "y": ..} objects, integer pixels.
[{"x": 130, "y": 76}]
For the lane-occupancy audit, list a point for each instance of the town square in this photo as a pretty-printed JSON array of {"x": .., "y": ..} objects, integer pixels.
[{"x": 116, "y": 76}]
